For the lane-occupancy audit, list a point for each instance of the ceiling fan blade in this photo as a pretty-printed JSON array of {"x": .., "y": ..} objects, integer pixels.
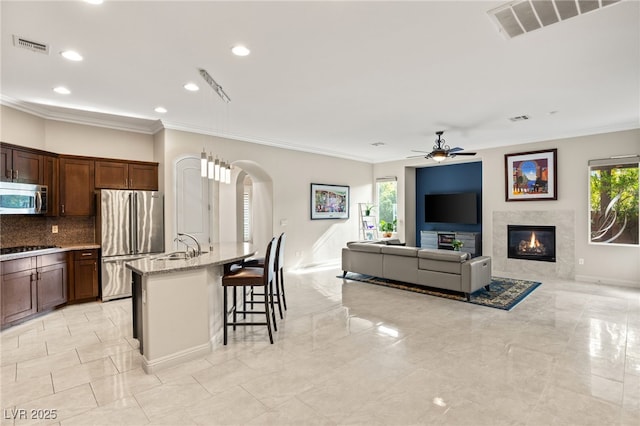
[
  {"x": 465, "y": 153},
  {"x": 415, "y": 150},
  {"x": 417, "y": 156},
  {"x": 456, "y": 149}
]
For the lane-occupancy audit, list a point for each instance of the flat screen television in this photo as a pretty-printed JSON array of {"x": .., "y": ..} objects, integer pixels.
[{"x": 451, "y": 208}]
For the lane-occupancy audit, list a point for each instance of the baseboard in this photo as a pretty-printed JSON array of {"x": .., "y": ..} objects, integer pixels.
[
  {"x": 167, "y": 361},
  {"x": 607, "y": 281}
]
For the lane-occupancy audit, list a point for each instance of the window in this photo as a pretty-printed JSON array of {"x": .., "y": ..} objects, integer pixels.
[
  {"x": 387, "y": 190},
  {"x": 614, "y": 200}
]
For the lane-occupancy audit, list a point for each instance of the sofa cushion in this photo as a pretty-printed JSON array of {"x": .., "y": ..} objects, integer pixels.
[
  {"x": 368, "y": 247},
  {"x": 400, "y": 251},
  {"x": 440, "y": 266},
  {"x": 444, "y": 255}
]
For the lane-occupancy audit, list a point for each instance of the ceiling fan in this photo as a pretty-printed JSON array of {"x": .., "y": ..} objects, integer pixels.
[{"x": 442, "y": 151}]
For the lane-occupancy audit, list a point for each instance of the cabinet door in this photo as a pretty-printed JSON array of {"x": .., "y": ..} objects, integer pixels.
[
  {"x": 6, "y": 157},
  {"x": 112, "y": 175},
  {"x": 18, "y": 295},
  {"x": 27, "y": 167},
  {"x": 143, "y": 177},
  {"x": 85, "y": 279},
  {"x": 51, "y": 179},
  {"x": 52, "y": 286},
  {"x": 77, "y": 187}
]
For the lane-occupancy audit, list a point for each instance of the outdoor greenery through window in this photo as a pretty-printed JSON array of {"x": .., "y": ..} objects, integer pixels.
[
  {"x": 387, "y": 201},
  {"x": 614, "y": 200}
]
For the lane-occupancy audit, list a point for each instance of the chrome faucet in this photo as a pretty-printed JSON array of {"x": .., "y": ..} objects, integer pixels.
[{"x": 196, "y": 253}]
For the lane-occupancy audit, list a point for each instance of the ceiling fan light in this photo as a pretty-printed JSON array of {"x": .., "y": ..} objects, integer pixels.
[{"x": 439, "y": 156}]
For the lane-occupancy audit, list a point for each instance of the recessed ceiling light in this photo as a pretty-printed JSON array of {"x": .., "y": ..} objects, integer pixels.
[
  {"x": 61, "y": 90},
  {"x": 240, "y": 50},
  {"x": 94, "y": 1},
  {"x": 160, "y": 109},
  {"x": 192, "y": 87},
  {"x": 71, "y": 55}
]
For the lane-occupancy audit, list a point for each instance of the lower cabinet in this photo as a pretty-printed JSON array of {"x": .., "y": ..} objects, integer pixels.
[
  {"x": 83, "y": 284},
  {"x": 32, "y": 284}
]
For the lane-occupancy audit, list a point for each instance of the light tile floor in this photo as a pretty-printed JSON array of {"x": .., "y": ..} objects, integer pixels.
[{"x": 346, "y": 353}]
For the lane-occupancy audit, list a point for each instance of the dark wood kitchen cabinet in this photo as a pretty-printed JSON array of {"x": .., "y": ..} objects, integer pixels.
[
  {"x": 21, "y": 166},
  {"x": 77, "y": 186},
  {"x": 32, "y": 284},
  {"x": 83, "y": 284},
  {"x": 51, "y": 280},
  {"x": 52, "y": 180},
  {"x": 126, "y": 175},
  {"x": 18, "y": 289}
]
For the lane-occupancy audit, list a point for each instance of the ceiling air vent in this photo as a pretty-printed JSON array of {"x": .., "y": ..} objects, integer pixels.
[
  {"x": 519, "y": 118},
  {"x": 34, "y": 46},
  {"x": 523, "y": 16}
]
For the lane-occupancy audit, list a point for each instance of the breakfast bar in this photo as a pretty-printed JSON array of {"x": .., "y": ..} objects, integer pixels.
[{"x": 177, "y": 303}]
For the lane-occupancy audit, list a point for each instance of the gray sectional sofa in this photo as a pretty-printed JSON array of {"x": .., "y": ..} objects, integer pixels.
[{"x": 446, "y": 269}]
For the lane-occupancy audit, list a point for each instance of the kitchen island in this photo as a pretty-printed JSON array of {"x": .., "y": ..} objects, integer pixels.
[{"x": 177, "y": 304}]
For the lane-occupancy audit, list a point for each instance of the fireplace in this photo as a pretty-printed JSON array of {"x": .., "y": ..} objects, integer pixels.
[{"x": 533, "y": 242}]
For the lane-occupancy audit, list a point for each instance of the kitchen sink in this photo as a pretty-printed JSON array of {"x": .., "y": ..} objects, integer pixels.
[{"x": 176, "y": 255}]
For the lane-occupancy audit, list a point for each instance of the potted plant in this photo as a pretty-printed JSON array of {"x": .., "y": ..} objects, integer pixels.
[
  {"x": 387, "y": 228},
  {"x": 456, "y": 245},
  {"x": 368, "y": 209}
]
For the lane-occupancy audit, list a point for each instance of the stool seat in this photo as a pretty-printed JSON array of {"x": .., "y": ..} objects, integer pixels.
[{"x": 244, "y": 277}]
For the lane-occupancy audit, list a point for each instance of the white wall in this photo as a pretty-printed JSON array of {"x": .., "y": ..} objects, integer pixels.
[
  {"x": 19, "y": 128},
  {"x": 607, "y": 264},
  {"x": 60, "y": 137},
  {"x": 291, "y": 172}
]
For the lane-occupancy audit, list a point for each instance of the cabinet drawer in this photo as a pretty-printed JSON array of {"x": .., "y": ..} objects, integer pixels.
[
  {"x": 52, "y": 259},
  {"x": 16, "y": 265},
  {"x": 85, "y": 254}
]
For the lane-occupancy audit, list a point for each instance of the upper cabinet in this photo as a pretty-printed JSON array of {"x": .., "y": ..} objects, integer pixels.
[
  {"x": 77, "y": 186},
  {"x": 52, "y": 180},
  {"x": 126, "y": 175},
  {"x": 21, "y": 166}
]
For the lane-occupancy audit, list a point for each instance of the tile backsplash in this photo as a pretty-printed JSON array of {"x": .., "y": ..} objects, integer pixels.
[{"x": 18, "y": 230}]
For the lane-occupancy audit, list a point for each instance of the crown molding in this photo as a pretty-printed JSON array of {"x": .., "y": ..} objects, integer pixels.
[
  {"x": 149, "y": 127},
  {"x": 89, "y": 118}
]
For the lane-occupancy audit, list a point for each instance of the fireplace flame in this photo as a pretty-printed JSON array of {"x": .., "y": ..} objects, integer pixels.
[{"x": 533, "y": 243}]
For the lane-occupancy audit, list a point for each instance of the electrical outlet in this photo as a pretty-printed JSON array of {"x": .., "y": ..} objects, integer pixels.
[
  {"x": 54, "y": 229},
  {"x": 580, "y": 261}
]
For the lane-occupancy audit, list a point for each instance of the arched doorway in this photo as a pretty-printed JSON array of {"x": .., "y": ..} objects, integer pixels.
[{"x": 232, "y": 205}]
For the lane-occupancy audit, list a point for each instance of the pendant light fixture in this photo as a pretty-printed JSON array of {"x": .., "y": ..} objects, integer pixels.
[
  {"x": 203, "y": 163},
  {"x": 217, "y": 170}
]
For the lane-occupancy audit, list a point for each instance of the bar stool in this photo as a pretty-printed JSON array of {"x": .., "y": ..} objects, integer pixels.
[
  {"x": 250, "y": 277},
  {"x": 279, "y": 276}
]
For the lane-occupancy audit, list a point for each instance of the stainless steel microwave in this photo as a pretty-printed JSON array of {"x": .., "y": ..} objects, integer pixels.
[{"x": 23, "y": 198}]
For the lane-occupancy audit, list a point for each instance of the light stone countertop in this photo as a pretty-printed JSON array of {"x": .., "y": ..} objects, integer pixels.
[
  {"x": 221, "y": 254},
  {"x": 71, "y": 247}
]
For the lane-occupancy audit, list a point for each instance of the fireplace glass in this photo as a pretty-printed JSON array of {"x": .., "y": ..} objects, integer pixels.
[{"x": 532, "y": 242}]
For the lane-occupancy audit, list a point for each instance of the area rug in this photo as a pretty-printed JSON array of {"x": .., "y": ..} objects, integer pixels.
[{"x": 504, "y": 293}]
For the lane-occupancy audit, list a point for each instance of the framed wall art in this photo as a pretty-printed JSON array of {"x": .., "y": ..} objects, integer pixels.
[
  {"x": 329, "y": 201},
  {"x": 531, "y": 176}
]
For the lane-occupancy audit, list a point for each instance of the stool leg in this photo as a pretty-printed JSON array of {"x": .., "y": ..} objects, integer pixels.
[
  {"x": 235, "y": 308},
  {"x": 266, "y": 312},
  {"x": 277, "y": 294},
  {"x": 244, "y": 302},
  {"x": 281, "y": 282},
  {"x": 268, "y": 294},
  {"x": 226, "y": 314}
]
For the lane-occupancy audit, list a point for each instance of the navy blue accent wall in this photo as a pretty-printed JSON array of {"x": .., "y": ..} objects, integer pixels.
[{"x": 450, "y": 178}]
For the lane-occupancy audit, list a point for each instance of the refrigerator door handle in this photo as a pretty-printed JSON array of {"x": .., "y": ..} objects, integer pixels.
[{"x": 132, "y": 223}]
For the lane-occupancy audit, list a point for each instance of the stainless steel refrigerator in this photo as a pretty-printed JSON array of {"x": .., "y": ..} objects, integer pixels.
[{"x": 130, "y": 226}]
